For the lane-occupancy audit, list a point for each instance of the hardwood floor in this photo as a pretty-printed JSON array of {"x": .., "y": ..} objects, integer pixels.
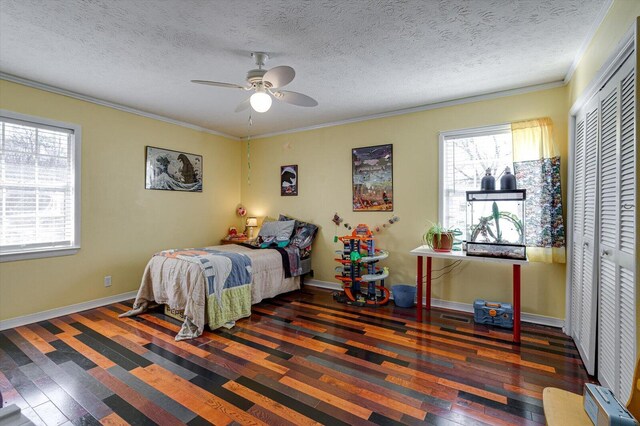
[{"x": 300, "y": 359}]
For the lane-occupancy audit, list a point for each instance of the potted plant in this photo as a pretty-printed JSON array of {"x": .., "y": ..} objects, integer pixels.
[{"x": 439, "y": 238}]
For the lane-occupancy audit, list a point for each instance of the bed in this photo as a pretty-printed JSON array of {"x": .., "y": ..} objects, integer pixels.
[{"x": 217, "y": 285}]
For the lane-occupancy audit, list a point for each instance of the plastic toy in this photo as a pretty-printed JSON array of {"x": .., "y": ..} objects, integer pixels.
[
  {"x": 337, "y": 220},
  {"x": 358, "y": 271},
  {"x": 494, "y": 313}
]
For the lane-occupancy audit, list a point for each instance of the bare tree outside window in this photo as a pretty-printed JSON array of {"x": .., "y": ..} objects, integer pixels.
[
  {"x": 36, "y": 187},
  {"x": 466, "y": 160}
]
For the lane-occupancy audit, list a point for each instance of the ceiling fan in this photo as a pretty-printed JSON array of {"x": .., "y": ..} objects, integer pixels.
[{"x": 266, "y": 83}]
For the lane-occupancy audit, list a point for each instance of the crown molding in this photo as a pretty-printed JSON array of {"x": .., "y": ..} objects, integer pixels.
[
  {"x": 75, "y": 95},
  {"x": 427, "y": 107},
  {"x": 604, "y": 10}
]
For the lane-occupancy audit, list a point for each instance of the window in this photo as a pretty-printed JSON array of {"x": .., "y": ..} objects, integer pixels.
[
  {"x": 39, "y": 187},
  {"x": 465, "y": 155}
]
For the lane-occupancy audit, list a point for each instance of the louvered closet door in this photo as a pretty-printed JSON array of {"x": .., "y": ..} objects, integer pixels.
[
  {"x": 583, "y": 288},
  {"x": 576, "y": 228},
  {"x": 607, "y": 313},
  {"x": 616, "y": 314}
]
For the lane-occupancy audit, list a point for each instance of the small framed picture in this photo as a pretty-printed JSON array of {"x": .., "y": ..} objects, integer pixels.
[{"x": 289, "y": 180}]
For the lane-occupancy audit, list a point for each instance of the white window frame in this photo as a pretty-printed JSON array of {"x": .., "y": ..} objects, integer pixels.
[
  {"x": 456, "y": 134},
  {"x": 77, "y": 138}
]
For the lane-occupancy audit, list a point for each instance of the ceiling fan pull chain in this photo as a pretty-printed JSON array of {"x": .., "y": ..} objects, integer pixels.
[{"x": 250, "y": 123}]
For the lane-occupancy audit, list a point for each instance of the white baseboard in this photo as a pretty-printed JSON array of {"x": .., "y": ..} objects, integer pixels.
[
  {"x": 323, "y": 284},
  {"x": 456, "y": 306},
  {"x": 65, "y": 310},
  {"x": 71, "y": 309},
  {"x": 524, "y": 316}
]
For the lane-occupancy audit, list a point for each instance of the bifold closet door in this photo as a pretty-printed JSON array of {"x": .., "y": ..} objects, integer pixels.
[
  {"x": 583, "y": 288},
  {"x": 617, "y": 206}
]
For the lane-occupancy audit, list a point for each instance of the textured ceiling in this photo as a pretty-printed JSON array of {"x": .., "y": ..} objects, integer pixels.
[{"x": 356, "y": 58}]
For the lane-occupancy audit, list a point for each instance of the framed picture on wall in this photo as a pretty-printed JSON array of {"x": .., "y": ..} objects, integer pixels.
[
  {"x": 173, "y": 170},
  {"x": 372, "y": 178},
  {"x": 289, "y": 180}
]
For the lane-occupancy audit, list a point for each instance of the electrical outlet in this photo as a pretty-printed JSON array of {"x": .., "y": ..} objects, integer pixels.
[{"x": 107, "y": 281}]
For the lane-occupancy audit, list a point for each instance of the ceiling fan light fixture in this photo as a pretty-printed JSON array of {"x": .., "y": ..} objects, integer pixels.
[
  {"x": 260, "y": 101},
  {"x": 265, "y": 84}
]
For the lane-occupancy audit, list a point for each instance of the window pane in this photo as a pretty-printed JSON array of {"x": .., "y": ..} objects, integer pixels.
[
  {"x": 36, "y": 187},
  {"x": 20, "y": 202},
  {"x": 18, "y": 230},
  {"x": 18, "y": 168},
  {"x": 51, "y": 229},
  {"x": 19, "y": 138},
  {"x": 53, "y": 143},
  {"x": 51, "y": 203},
  {"x": 53, "y": 171},
  {"x": 466, "y": 160}
]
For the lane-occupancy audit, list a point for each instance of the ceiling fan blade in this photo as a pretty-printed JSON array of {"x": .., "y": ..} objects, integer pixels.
[
  {"x": 295, "y": 98},
  {"x": 243, "y": 105},
  {"x": 218, "y": 84},
  {"x": 279, "y": 76}
]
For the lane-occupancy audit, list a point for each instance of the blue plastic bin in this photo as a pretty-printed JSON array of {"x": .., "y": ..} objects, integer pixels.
[{"x": 403, "y": 295}]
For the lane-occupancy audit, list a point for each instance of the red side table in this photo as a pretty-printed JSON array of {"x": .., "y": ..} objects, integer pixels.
[{"x": 424, "y": 251}]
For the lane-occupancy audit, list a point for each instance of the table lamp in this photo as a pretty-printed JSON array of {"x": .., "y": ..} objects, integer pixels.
[{"x": 252, "y": 222}]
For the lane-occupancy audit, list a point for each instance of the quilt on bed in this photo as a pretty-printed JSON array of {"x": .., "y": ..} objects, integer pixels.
[
  {"x": 290, "y": 258},
  {"x": 227, "y": 292}
]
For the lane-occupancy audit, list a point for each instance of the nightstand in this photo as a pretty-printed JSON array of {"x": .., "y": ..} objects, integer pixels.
[{"x": 234, "y": 241}]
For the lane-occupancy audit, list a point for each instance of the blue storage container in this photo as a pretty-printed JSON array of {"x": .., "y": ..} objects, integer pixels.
[
  {"x": 403, "y": 295},
  {"x": 494, "y": 313}
]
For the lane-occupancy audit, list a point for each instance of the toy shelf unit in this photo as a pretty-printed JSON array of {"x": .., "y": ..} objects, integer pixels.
[
  {"x": 495, "y": 224},
  {"x": 359, "y": 272}
]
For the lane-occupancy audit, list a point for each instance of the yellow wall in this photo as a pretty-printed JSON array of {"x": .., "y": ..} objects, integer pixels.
[
  {"x": 324, "y": 160},
  {"x": 122, "y": 223},
  {"x": 620, "y": 17}
]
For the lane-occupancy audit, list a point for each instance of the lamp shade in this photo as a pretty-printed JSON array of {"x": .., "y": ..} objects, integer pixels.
[
  {"x": 260, "y": 101},
  {"x": 252, "y": 221}
]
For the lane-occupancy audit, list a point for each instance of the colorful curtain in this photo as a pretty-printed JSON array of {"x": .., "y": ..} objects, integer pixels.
[{"x": 536, "y": 164}]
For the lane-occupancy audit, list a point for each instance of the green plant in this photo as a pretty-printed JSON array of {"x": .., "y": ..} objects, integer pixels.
[
  {"x": 483, "y": 227},
  {"x": 434, "y": 233}
]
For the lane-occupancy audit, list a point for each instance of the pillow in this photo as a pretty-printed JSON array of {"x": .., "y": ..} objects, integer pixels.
[
  {"x": 278, "y": 232},
  {"x": 303, "y": 235}
]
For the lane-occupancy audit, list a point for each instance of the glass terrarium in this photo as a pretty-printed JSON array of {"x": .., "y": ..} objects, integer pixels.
[{"x": 495, "y": 223}]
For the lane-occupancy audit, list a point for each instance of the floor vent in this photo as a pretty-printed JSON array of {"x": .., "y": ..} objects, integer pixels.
[{"x": 455, "y": 318}]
